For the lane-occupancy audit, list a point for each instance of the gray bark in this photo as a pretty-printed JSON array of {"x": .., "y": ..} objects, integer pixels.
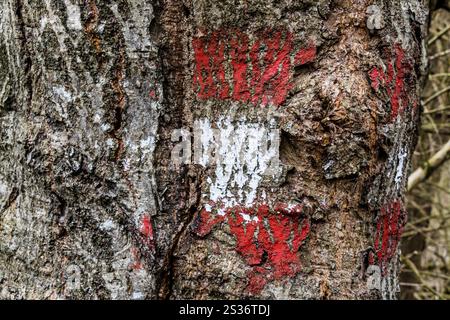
[{"x": 91, "y": 205}]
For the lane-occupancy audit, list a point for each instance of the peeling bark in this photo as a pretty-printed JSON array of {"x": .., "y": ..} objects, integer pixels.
[{"x": 92, "y": 204}]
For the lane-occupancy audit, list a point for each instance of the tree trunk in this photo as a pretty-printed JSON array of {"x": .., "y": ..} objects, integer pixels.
[{"x": 140, "y": 143}]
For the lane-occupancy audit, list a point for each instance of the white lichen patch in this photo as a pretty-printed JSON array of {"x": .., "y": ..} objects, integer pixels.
[
  {"x": 147, "y": 145},
  {"x": 107, "y": 225},
  {"x": 73, "y": 16},
  {"x": 138, "y": 296},
  {"x": 402, "y": 159},
  {"x": 63, "y": 94},
  {"x": 142, "y": 150},
  {"x": 135, "y": 29},
  {"x": 3, "y": 191},
  {"x": 59, "y": 140},
  {"x": 375, "y": 19}
]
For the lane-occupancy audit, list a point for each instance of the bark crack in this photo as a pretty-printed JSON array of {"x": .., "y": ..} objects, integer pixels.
[
  {"x": 166, "y": 283},
  {"x": 170, "y": 23},
  {"x": 11, "y": 200},
  {"x": 117, "y": 85},
  {"x": 91, "y": 25}
]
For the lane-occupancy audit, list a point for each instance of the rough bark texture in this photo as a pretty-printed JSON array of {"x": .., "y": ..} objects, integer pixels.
[{"x": 91, "y": 205}]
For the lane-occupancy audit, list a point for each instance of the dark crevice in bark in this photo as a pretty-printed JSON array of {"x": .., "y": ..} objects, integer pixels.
[
  {"x": 365, "y": 261},
  {"x": 61, "y": 206},
  {"x": 166, "y": 283},
  {"x": 11, "y": 200},
  {"x": 89, "y": 28},
  {"x": 171, "y": 30},
  {"x": 119, "y": 108}
]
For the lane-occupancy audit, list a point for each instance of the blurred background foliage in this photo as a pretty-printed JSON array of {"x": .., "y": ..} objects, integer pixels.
[{"x": 426, "y": 242}]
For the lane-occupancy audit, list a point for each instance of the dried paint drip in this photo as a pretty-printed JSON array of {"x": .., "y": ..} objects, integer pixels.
[
  {"x": 395, "y": 81},
  {"x": 268, "y": 239},
  {"x": 146, "y": 231},
  {"x": 147, "y": 238},
  {"x": 261, "y": 69},
  {"x": 388, "y": 233},
  {"x": 136, "y": 263}
]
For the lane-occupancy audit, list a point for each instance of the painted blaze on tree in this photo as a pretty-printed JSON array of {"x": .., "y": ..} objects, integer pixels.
[
  {"x": 396, "y": 81},
  {"x": 255, "y": 70},
  {"x": 390, "y": 224},
  {"x": 228, "y": 65},
  {"x": 267, "y": 238}
]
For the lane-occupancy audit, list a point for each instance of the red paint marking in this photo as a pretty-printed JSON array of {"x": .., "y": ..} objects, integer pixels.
[
  {"x": 269, "y": 242},
  {"x": 261, "y": 72},
  {"x": 394, "y": 82},
  {"x": 207, "y": 222},
  {"x": 238, "y": 51},
  {"x": 147, "y": 230},
  {"x": 305, "y": 56},
  {"x": 376, "y": 77},
  {"x": 388, "y": 233},
  {"x": 276, "y": 75},
  {"x": 203, "y": 76},
  {"x": 217, "y": 52},
  {"x": 245, "y": 236},
  {"x": 257, "y": 280},
  {"x": 147, "y": 236}
]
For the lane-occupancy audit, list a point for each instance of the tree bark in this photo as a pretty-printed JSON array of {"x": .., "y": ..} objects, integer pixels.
[{"x": 93, "y": 203}]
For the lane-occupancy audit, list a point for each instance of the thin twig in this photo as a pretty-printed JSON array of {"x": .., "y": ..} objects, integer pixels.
[
  {"x": 440, "y": 34},
  {"x": 440, "y": 109},
  {"x": 436, "y": 95},
  {"x": 439, "y": 75},
  {"x": 416, "y": 272},
  {"x": 430, "y": 166},
  {"x": 440, "y": 54}
]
